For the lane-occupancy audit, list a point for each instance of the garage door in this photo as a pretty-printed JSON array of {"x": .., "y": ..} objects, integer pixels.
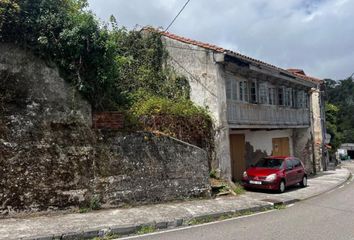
[{"x": 281, "y": 146}]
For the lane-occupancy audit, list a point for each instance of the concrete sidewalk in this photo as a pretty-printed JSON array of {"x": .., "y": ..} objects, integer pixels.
[{"x": 159, "y": 216}]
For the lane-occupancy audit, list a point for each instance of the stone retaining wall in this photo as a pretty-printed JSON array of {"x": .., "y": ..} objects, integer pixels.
[{"x": 51, "y": 158}]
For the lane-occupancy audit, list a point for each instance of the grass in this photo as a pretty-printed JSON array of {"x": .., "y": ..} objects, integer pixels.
[
  {"x": 107, "y": 237},
  {"x": 94, "y": 204},
  {"x": 207, "y": 219},
  {"x": 279, "y": 206},
  {"x": 238, "y": 189},
  {"x": 146, "y": 229},
  {"x": 197, "y": 221},
  {"x": 84, "y": 210},
  {"x": 212, "y": 173}
]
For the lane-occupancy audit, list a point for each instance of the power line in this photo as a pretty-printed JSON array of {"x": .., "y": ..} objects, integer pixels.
[{"x": 177, "y": 15}]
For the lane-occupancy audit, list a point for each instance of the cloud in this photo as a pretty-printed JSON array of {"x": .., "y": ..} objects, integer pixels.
[{"x": 315, "y": 35}]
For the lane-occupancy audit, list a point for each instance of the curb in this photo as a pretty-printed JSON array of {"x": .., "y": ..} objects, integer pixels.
[
  {"x": 126, "y": 230},
  {"x": 291, "y": 201}
]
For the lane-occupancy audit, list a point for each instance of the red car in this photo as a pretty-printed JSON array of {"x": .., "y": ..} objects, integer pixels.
[{"x": 275, "y": 173}]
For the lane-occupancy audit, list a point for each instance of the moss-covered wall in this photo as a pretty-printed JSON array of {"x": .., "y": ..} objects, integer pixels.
[{"x": 50, "y": 158}]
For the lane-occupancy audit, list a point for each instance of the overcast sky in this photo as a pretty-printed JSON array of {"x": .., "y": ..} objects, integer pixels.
[{"x": 314, "y": 35}]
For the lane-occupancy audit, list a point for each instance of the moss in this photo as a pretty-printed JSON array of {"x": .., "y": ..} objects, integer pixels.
[{"x": 146, "y": 229}]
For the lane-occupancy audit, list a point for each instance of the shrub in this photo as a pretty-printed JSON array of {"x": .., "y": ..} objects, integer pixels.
[{"x": 179, "y": 118}]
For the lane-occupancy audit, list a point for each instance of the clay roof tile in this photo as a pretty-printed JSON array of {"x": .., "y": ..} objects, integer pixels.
[{"x": 291, "y": 71}]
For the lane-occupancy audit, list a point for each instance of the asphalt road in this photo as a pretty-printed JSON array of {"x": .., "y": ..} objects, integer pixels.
[{"x": 328, "y": 216}]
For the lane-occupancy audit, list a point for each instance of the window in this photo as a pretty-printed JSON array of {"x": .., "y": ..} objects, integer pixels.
[
  {"x": 288, "y": 97},
  {"x": 234, "y": 89},
  {"x": 302, "y": 99},
  {"x": 270, "y": 163},
  {"x": 272, "y": 96},
  {"x": 253, "y": 96},
  {"x": 228, "y": 88},
  {"x": 281, "y": 96},
  {"x": 289, "y": 164},
  {"x": 299, "y": 99},
  {"x": 243, "y": 87},
  {"x": 263, "y": 93},
  {"x": 231, "y": 88},
  {"x": 306, "y": 101},
  {"x": 294, "y": 98},
  {"x": 296, "y": 163}
]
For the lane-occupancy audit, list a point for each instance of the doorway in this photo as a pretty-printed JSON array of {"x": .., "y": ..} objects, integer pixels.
[{"x": 237, "y": 151}]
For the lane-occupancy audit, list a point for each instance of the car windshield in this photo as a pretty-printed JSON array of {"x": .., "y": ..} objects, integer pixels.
[{"x": 270, "y": 163}]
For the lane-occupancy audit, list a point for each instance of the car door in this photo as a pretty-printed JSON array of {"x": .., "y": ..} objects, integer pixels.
[
  {"x": 290, "y": 174},
  {"x": 298, "y": 169}
]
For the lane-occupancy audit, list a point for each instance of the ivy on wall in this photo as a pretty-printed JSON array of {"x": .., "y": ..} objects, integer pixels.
[{"x": 113, "y": 68}]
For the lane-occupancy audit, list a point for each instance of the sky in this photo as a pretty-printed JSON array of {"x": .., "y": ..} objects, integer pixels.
[{"x": 314, "y": 35}]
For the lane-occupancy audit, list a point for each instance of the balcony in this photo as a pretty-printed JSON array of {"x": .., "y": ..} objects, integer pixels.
[{"x": 246, "y": 115}]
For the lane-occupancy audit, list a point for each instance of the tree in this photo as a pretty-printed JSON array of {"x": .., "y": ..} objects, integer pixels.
[
  {"x": 107, "y": 64},
  {"x": 340, "y": 110}
]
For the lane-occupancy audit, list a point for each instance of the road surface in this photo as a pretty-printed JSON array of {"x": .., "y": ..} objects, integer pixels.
[{"x": 329, "y": 216}]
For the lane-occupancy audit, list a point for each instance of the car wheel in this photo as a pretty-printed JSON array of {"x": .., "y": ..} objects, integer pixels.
[
  {"x": 281, "y": 186},
  {"x": 303, "y": 182}
]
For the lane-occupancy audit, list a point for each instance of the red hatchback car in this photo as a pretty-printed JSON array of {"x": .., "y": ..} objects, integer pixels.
[{"x": 275, "y": 173}]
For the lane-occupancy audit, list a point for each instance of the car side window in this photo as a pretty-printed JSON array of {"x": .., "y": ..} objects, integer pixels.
[
  {"x": 296, "y": 163},
  {"x": 289, "y": 164}
]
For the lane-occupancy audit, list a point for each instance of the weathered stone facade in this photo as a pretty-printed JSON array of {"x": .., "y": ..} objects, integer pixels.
[
  {"x": 248, "y": 97},
  {"x": 207, "y": 90},
  {"x": 142, "y": 167},
  {"x": 50, "y": 158},
  {"x": 318, "y": 129}
]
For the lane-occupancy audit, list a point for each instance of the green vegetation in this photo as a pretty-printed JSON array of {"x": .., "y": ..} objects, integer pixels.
[
  {"x": 197, "y": 221},
  {"x": 93, "y": 204},
  {"x": 108, "y": 237},
  {"x": 279, "y": 206},
  {"x": 146, "y": 229},
  {"x": 113, "y": 68},
  {"x": 108, "y": 64},
  {"x": 84, "y": 210},
  {"x": 238, "y": 189},
  {"x": 340, "y": 111},
  {"x": 212, "y": 173},
  {"x": 207, "y": 219}
]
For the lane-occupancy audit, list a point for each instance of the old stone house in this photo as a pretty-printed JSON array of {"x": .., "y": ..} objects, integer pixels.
[{"x": 258, "y": 109}]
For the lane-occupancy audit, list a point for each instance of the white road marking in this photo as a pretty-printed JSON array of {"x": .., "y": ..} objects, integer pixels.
[
  {"x": 195, "y": 226},
  {"x": 341, "y": 186},
  {"x": 290, "y": 205}
]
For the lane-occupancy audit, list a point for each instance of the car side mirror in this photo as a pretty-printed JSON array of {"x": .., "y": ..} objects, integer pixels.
[{"x": 289, "y": 168}]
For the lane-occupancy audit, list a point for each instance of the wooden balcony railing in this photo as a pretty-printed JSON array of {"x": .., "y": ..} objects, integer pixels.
[{"x": 259, "y": 114}]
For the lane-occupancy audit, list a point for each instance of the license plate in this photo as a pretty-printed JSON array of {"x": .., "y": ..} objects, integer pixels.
[{"x": 256, "y": 182}]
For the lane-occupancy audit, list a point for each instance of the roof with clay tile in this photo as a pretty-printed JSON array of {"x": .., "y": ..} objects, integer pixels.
[{"x": 215, "y": 48}]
